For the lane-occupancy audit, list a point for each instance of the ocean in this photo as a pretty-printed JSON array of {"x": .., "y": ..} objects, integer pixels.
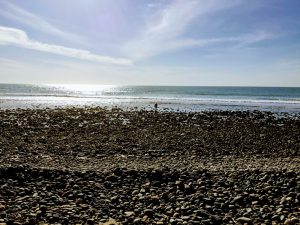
[{"x": 182, "y": 98}]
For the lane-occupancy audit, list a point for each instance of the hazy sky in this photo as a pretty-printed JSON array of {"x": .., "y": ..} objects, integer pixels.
[{"x": 159, "y": 42}]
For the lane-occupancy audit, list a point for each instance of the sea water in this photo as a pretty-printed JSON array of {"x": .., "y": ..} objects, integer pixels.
[{"x": 187, "y": 98}]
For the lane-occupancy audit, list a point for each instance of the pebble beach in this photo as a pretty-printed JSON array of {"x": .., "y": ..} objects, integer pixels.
[{"x": 93, "y": 165}]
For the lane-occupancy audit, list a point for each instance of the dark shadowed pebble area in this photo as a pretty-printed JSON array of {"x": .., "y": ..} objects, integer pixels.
[{"x": 89, "y": 165}]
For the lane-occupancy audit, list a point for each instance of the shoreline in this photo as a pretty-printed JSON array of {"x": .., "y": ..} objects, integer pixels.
[
  {"x": 86, "y": 165},
  {"x": 147, "y": 103}
]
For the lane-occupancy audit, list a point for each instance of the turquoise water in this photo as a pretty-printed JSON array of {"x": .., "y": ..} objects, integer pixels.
[{"x": 194, "y": 98}]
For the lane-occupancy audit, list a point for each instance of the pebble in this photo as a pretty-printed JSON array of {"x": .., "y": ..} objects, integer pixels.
[
  {"x": 2, "y": 207},
  {"x": 137, "y": 220},
  {"x": 52, "y": 171},
  {"x": 128, "y": 214},
  {"x": 244, "y": 220},
  {"x": 149, "y": 212}
]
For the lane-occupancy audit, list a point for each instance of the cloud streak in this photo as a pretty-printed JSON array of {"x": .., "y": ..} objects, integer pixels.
[
  {"x": 165, "y": 33},
  {"x": 240, "y": 40},
  {"x": 15, "y": 13},
  {"x": 18, "y": 38}
]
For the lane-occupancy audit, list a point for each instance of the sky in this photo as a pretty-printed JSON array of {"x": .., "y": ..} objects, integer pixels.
[{"x": 151, "y": 42}]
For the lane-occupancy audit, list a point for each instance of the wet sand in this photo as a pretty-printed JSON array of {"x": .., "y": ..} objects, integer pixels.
[{"x": 86, "y": 165}]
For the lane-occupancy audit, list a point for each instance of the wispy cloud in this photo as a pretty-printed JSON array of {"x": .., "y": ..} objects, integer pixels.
[
  {"x": 165, "y": 33},
  {"x": 18, "y": 38},
  {"x": 22, "y": 16}
]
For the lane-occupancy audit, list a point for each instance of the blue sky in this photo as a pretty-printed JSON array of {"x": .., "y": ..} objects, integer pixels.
[{"x": 158, "y": 42}]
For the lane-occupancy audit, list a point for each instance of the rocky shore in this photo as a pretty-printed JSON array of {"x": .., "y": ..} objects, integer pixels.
[{"x": 87, "y": 165}]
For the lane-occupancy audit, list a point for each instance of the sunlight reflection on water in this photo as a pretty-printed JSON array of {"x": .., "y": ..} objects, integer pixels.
[
  {"x": 85, "y": 90},
  {"x": 193, "y": 98}
]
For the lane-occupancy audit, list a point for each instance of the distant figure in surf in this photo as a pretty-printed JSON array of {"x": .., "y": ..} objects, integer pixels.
[{"x": 155, "y": 106}]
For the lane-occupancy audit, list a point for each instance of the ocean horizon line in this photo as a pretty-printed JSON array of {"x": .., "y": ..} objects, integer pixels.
[{"x": 148, "y": 85}]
